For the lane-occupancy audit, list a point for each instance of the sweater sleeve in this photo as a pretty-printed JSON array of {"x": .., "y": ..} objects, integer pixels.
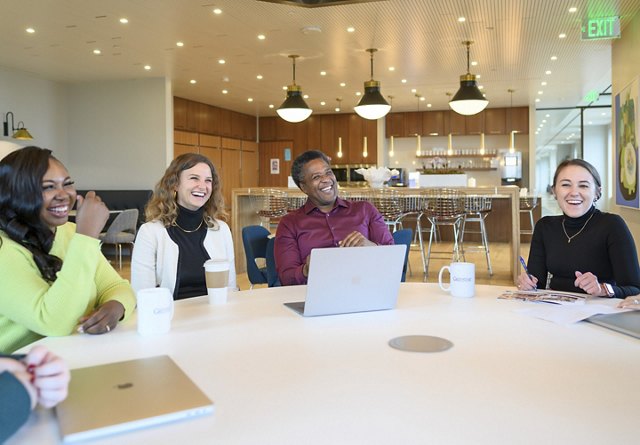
[
  {"x": 624, "y": 259},
  {"x": 144, "y": 259},
  {"x": 15, "y": 405},
  {"x": 231, "y": 256},
  {"x": 536, "y": 264}
]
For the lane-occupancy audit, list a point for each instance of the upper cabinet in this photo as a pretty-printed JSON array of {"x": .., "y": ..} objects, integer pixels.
[
  {"x": 457, "y": 124},
  {"x": 495, "y": 121},
  {"x": 208, "y": 119},
  {"x": 413, "y": 123},
  {"x": 394, "y": 123},
  {"x": 518, "y": 119},
  {"x": 433, "y": 123}
]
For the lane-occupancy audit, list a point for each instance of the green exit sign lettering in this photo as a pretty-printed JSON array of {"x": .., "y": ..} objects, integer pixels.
[{"x": 601, "y": 28}]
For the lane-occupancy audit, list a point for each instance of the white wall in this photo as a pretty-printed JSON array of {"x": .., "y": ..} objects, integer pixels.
[
  {"x": 41, "y": 104},
  {"x": 118, "y": 133}
]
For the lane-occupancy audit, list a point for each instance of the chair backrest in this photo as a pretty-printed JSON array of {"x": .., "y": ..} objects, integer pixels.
[
  {"x": 387, "y": 201},
  {"x": 254, "y": 240},
  {"x": 404, "y": 236},
  {"x": 528, "y": 202},
  {"x": 477, "y": 204},
  {"x": 270, "y": 203},
  {"x": 444, "y": 203},
  {"x": 272, "y": 273},
  {"x": 126, "y": 221}
]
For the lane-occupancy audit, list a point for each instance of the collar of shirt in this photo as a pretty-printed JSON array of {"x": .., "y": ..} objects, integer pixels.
[{"x": 310, "y": 206}]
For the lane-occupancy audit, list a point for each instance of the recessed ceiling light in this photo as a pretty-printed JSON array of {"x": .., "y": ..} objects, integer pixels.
[
  {"x": 261, "y": 37},
  {"x": 573, "y": 9},
  {"x": 562, "y": 35},
  {"x": 404, "y": 81},
  {"x": 284, "y": 88},
  {"x": 180, "y": 44},
  {"x": 222, "y": 61},
  {"x": 481, "y": 87},
  {"x": 124, "y": 20},
  {"x": 544, "y": 84},
  {"x": 422, "y": 98},
  {"x": 538, "y": 99},
  {"x": 259, "y": 77},
  {"x": 358, "y": 93},
  {"x": 306, "y": 96},
  {"x": 323, "y": 103},
  {"x": 603, "y": 114},
  {"x": 30, "y": 30},
  {"x": 97, "y": 52},
  {"x": 250, "y": 99},
  {"x": 462, "y": 19},
  {"x": 474, "y": 63},
  {"x": 429, "y": 105},
  {"x": 271, "y": 106},
  {"x": 392, "y": 68},
  {"x": 192, "y": 81},
  {"x": 337, "y": 109},
  {"x": 351, "y": 29},
  {"x": 217, "y": 11},
  {"x": 547, "y": 72},
  {"x": 544, "y": 121},
  {"x": 147, "y": 67},
  {"x": 323, "y": 73},
  {"x": 342, "y": 84},
  {"x": 225, "y": 91},
  {"x": 414, "y": 91},
  {"x": 478, "y": 76},
  {"x": 547, "y": 115},
  {"x": 590, "y": 123},
  {"x": 554, "y": 57},
  {"x": 540, "y": 92}
]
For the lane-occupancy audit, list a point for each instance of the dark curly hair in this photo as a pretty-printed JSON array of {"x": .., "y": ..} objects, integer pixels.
[
  {"x": 301, "y": 161},
  {"x": 21, "y": 174}
]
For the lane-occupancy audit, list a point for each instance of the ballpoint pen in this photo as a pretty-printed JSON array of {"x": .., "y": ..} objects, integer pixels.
[{"x": 524, "y": 266}]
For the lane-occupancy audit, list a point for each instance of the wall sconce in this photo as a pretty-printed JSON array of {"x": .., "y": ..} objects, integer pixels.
[{"x": 20, "y": 132}]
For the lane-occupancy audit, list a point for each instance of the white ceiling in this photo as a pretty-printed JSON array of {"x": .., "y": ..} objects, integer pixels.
[{"x": 421, "y": 39}]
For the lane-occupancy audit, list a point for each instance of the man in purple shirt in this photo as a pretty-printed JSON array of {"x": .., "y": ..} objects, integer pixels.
[{"x": 324, "y": 221}]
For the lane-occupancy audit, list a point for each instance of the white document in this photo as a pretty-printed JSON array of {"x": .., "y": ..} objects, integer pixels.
[{"x": 566, "y": 314}]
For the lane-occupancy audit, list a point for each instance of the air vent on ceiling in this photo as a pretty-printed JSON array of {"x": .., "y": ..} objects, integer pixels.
[{"x": 318, "y": 3}]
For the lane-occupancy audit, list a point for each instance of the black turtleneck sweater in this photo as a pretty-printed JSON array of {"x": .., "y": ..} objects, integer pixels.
[
  {"x": 190, "y": 280},
  {"x": 605, "y": 248}
]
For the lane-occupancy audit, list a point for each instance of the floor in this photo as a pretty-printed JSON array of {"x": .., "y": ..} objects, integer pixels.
[{"x": 500, "y": 253}]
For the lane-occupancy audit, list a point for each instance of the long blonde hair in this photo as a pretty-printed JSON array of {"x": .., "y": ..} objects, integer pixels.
[{"x": 163, "y": 206}]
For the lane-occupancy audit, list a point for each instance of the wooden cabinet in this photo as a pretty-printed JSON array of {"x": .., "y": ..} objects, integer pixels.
[
  {"x": 249, "y": 165},
  {"x": 341, "y": 130},
  {"x": 214, "y": 155},
  {"x": 207, "y": 140},
  {"x": 185, "y": 138},
  {"x": 474, "y": 124},
  {"x": 518, "y": 119},
  {"x": 284, "y": 130},
  {"x": 179, "y": 149},
  {"x": 179, "y": 113},
  {"x": 356, "y": 141},
  {"x": 328, "y": 137},
  {"x": 267, "y": 128},
  {"x": 193, "y": 110},
  {"x": 495, "y": 121},
  {"x": 412, "y": 124},
  {"x": 230, "y": 144},
  {"x": 433, "y": 123},
  {"x": 394, "y": 123},
  {"x": 230, "y": 165},
  {"x": 455, "y": 123},
  {"x": 314, "y": 131},
  {"x": 370, "y": 131},
  {"x": 225, "y": 122}
]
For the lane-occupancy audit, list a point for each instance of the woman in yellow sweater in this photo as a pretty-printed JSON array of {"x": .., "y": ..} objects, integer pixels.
[{"x": 53, "y": 277}]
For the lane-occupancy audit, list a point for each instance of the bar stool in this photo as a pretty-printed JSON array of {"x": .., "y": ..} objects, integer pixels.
[
  {"x": 527, "y": 205},
  {"x": 476, "y": 209},
  {"x": 295, "y": 202},
  {"x": 269, "y": 204},
  {"x": 387, "y": 201},
  {"x": 355, "y": 195},
  {"x": 443, "y": 207}
]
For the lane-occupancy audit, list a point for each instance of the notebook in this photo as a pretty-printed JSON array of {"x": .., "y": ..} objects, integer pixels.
[
  {"x": 123, "y": 396},
  {"x": 353, "y": 279},
  {"x": 624, "y": 322}
]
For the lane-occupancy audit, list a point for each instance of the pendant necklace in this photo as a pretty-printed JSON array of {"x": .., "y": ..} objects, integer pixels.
[
  {"x": 569, "y": 238},
  {"x": 175, "y": 223}
]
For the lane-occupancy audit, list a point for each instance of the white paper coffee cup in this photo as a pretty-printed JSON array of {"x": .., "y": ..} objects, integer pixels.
[
  {"x": 154, "y": 310},
  {"x": 216, "y": 274}
]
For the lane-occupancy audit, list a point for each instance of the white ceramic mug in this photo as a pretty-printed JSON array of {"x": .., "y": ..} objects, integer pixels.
[
  {"x": 217, "y": 277},
  {"x": 462, "y": 279},
  {"x": 155, "y": 310}
]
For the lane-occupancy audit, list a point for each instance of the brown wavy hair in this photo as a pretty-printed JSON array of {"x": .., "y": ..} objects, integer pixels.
[{"x": 163, "y": 206}]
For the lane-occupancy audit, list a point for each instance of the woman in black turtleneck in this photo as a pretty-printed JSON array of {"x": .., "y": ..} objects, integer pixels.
[
  {"x": 583, "y": 250},
  {"x": 184, "y": 229}
]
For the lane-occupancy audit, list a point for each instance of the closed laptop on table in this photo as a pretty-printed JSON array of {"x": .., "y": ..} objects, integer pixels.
[
  {"x": 123, "y": 396},
  {"x": 352, "y": 279},
  {"x": 624, "y": 322}
]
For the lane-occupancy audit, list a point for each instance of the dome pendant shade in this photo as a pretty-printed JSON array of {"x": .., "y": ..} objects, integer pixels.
[
  {"x": 22, "y": 134},
  {"x": 372, "y": 105},
  {"x": 469, "y": 100},
  {"x": 294, "y": 109}
]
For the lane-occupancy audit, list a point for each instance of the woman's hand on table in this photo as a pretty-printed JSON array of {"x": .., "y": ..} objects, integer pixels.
[
  {"x": 527, "y": 282},
  {"x": 588, "y": 282},
  {"x": 632, "y": 302},
  {"x": 102, "y": 320}
]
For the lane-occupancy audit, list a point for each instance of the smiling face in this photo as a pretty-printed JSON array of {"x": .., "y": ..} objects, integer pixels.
[
  {"x": 319, "y": 184},
  {"x": 575, "y": 190},
  {"x": 194, "y": 186},
  {"x": 58, "y": 195}
]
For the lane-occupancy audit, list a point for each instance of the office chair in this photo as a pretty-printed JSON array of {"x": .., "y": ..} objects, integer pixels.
[
  {"x": 254, "y": 240},
  {"x": 121, "y": 231},
  {"x": 404, "y": 236}
]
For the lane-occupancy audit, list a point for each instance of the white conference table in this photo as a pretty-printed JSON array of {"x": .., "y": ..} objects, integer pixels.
[{"x": 279, "y": 378}]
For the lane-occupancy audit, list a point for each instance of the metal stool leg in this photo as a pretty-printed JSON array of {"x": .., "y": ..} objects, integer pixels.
[{"x": 485, "y": 243}]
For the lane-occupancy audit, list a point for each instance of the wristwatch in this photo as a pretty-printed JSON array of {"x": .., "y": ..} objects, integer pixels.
[{"x": 608, "y": 290}]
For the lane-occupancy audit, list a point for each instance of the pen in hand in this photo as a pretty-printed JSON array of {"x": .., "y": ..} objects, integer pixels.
[{"x": 524, "y": 267}]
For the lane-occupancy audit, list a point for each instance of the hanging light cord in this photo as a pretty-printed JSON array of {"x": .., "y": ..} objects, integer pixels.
[{"x": 468, "y": 45}]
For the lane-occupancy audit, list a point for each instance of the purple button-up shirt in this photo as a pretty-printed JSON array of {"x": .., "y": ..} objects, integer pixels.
[{"x": 308, "y": 228}]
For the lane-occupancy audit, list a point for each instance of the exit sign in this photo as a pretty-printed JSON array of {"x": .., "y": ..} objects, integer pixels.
[{"x": 601, "y": 28}]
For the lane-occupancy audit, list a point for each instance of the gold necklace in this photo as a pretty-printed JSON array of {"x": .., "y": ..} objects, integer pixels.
[
  {"x": 569, "y": 238},
  {"x": 175, "y": 223}
]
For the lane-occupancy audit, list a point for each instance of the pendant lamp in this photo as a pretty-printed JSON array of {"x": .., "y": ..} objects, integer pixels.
[
  {"x": 469, "y": 99},
  {"x": 372, "y": 105},
  {"x": 294, "y": 109}
]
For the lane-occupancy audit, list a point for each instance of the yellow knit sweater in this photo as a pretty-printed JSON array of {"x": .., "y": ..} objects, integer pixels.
[{"x": 31, "y": 307}]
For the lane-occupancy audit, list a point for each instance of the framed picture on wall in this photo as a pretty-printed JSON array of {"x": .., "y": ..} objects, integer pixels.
[
  {"x": 626, "y": 145},
  {"x": 274, "y": 166}
]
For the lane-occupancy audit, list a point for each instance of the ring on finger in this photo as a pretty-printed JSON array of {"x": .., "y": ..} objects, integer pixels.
[
  {"x": 108, "y": 328},
  {"x": 635, "y": 301}
]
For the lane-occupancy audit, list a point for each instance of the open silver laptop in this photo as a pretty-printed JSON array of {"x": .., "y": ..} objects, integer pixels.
[
  {"x": 123, "y": 396},
  {"x": 354, "y": 279},
  {"x": 624, "y": 322}
]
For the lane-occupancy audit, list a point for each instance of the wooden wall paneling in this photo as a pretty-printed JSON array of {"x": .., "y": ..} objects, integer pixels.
[
  {"x": 273, "y": 150},
  {"x": 267, "y": 128},
  {"x": 179, "y": 113},
  {"x": 370, "y": 130},
  {"x": 495, "y": 121},
  {"x": 206, "y": 140},
  {"x": 185, "y": 137},
  {"x": 214, "y": 123},
  {"x": 474, "y": 124},
  {"x": 284, "y": 130},
  {"x": 457, "y": 123},
  {"x": 356, "y": 140},
  {"x": 313, "y": 132},
  {"x": 249, "y": 162},
  {"x": 193, "y": 113},
  {"x": 249, "y": 146},
  {"x": 519, "y": 119},
  {"x": 300, "y": 131},
  {"x": 230, "y": 143},
  {"x": 341, "y": 130},
  {"x": 412, "y": 123},
  {"x": 225, "y": 122},
  {"x": 328, "y": 138},
  {"x": 433, "y": 123},
  {"x": 250, "y": 128},
  {"x": 179, "y": 149},
  {"x": 395, "y": 124},
  {"x": 204, "y": 119},
  {"x": 229, "y": 167},
  {"x": 236, "y": 125},
  {"x": 214, "y": 155}
]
